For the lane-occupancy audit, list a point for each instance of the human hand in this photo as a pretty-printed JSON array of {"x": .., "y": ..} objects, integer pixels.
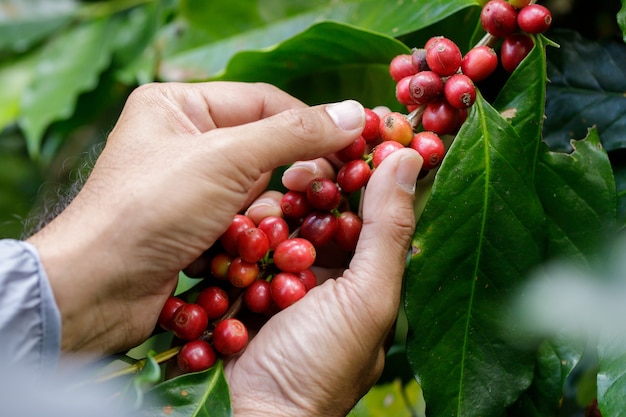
[
  {"x": 320, "y": 355},
  {"x": 180, "y": 162}
]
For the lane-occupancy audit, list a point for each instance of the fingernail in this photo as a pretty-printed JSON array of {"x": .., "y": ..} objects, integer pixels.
[
  {"x": 407, "y": 172},
  {"x": 304, "y": 166},
  {"x": 347, "y": 115},
  {"x": 259, "y": 210}
]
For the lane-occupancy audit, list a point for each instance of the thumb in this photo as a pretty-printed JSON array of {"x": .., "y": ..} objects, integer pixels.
[
  {"x": 377, "y": 268},
  {"x": 295, "y": 134}
]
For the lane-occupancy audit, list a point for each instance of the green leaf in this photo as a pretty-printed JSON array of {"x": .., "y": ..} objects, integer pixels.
[
  {"x": 15, "y": 76},
  {"x": 577, "y": 191},
  {"x": 555, "y": 361},
  {"x": 522, "y": 99},
  {"x": 27, "y": 22},
  {"x": 621, "y": 18},
  {"x": 208, "y": 57},
  {"x": 69, "y": 65},
  {"x": 322, "y": 47},
  {"x": 477, "y": 238},
  {"x": 612, "y": 375},
  {"x": 199, "y": 394},
  {"x": 587, "y": 84}
]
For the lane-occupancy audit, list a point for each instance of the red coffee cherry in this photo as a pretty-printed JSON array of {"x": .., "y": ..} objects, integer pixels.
[
  {"x": 214, "y": 301},
  {"x": 534, "y": 18},
  {"x": 383, "y": 150},
  {"x": 418, "y": 56},
  {"x": 396, "y": 127},
  {"x": 479, "y": 63},
  {"x": 253, "y": 244},
  {"x": 443, "y": 56},
  {"x": 353, "y": 175},
  {"x": 370, "y": 131},
  {"x": 403, "y": 93},
  {"x": 401, "y": 66},
  {"x": 430, "y": 146},
  {"x": 295, "y": 204},
  {"x": 294, "y": 255},
  {"x": 425, "y": 87},
  {"x": 319, "y": 227},
  {"x": 167, "y": 312},
  {"x": 514, "y": 49},
  {"x": 196, "y": 356},
  {"x": 276, "y": 229},
  {"x": 257, "y": 296},
  {"x": 460, "y": 91},
  {"x": 189, "y": 322},
  {"x": 323, "y": 194},
  {"x": 349, "y": 226},
  {"x": 242, "y": 273},
  {"x": 230, "y": 336},
  {"x": 308, "y": 278},
  {"x": 498, "y": 18},
  {"x": 441, "y": 117},
  {"x": 353, "y": 151},
  {"x": 230, "y": 236},
  {"x": 286, "y": 289}
]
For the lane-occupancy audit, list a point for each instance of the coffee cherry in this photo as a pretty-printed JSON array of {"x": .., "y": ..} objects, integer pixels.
[
  {"x": 294, "y": 255},
  {"x": 257, "y": 296},
  {"x": 253, "y": 244},
  {"x": 189, "y": 322},
  {"x": 514, "y": 49},
  {"x": 308, "y": 278},
  {"x": 214, "y": 301},
  {"x": 443, "y": 56},
  {"x": 479, "y": 63},
  {"x": 220, "y": 264},
  {"x": 383, "y": 150},
  {"x": 370, "y": 131},
  {"x": 276, "y": 229},
  {"x": 349, "y": 226},
  {"x": 401, "y": 66},
  {"x": 353, "y": 151},
  {"x": 167, "y": 312},
  {"x": 318, "y": 227},
  {"x": 230, "y": 236},
  {"x": 440, "y": 117},
  {"x": 534, "y": 18},
  {"x": 230, "y": 336},
  {"x": 196, "y": 356},
  {"x": 242, "y": 273},
  {"x": 353, "y": 175},
  {"x": 323, "y": 194},
  {"x": 295, "y": 204},
  {"x": 430, "y": 146},
  {"x": 460, "y": 91},
  {"x": 403, "y": 93},
  {"x": 396, "y": 127},
  {"x": 425, "y": 87},
  {"x": 286, "y": 289},
  {"x": 499, "y": 18},
  {"x": 418, "y": 57}
]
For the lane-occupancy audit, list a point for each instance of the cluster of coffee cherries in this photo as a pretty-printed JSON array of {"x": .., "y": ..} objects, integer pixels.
[
  {"x": 256, "y": 270},
  {"x": 436, "y": 83}
]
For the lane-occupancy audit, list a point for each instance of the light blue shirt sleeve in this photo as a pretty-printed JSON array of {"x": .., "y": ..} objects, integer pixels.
[{"x": 30, "y": 321}]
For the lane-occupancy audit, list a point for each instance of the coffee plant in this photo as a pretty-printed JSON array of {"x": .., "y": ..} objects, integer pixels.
[{"x": 518, "y": 110}]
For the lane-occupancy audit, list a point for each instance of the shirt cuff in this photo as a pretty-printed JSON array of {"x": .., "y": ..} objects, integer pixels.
[{"x": 30, "y": 321}]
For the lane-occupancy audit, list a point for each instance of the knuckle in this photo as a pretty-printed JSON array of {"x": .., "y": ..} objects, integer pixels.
[{"x": 301, "y": 122}]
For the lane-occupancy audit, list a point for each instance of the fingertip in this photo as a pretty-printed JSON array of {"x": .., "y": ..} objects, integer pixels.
[{"x": 347, "y": 114}]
